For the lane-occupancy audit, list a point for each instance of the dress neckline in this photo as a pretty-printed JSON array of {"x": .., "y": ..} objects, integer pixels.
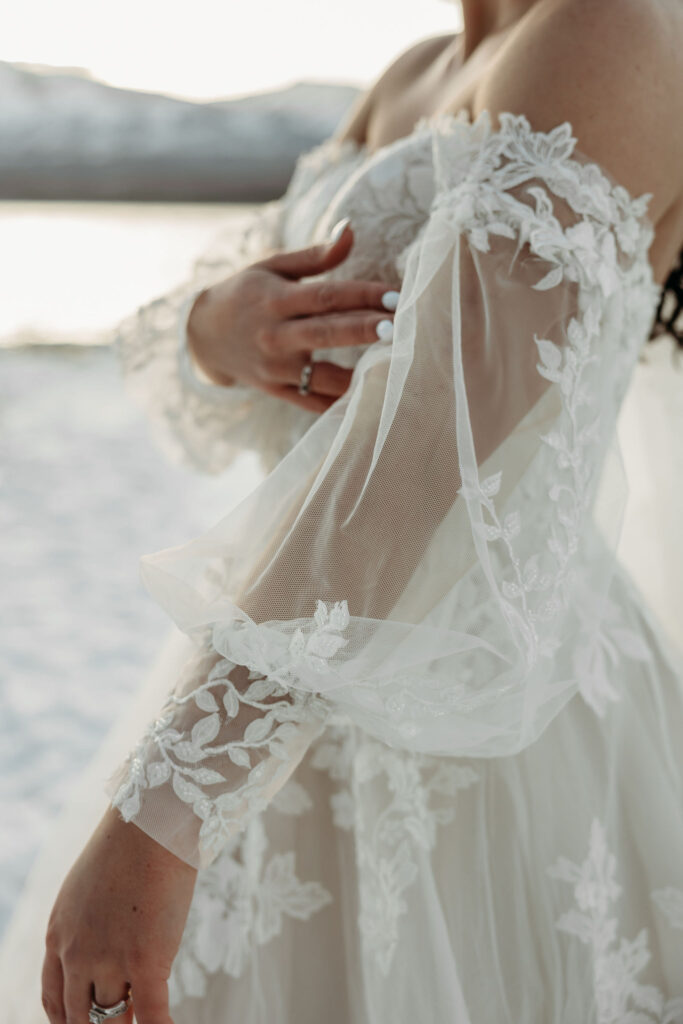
[
  {"x": 481, "y": 124},
  {"x": 423, "y": 124}
]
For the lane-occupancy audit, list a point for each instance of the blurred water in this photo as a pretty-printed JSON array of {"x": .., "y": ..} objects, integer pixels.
[
  {"x": 68, "y": 271},
  {"x": 83, "y": 493}
]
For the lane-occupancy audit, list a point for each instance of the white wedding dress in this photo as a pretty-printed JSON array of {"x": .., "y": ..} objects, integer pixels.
[{"x": 423, "y": 739}]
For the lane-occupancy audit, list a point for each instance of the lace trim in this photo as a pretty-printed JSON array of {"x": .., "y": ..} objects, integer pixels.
[
  {"x": 169, "y": 753},
  {"x": 535, "y": 591},
  {"x": 514, "y": 153},
  {"x": 552, "y": 155},
  {"x": 204, "y": 425}
]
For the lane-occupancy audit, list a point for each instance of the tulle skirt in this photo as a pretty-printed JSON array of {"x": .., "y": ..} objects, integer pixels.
[{"x": 383, "y": 887}]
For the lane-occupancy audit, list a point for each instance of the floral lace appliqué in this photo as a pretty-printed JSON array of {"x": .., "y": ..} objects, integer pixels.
[
  {"x": 325, "y": 639},
  {"x": 595, "y": 253},
  {"x": 415, "y": 794},
  {"x": 214, "y": 751},
  {"x": 620, "y": 997},
  {"x": 241, "y": 902}
]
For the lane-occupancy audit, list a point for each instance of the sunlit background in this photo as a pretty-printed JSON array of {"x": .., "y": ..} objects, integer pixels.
[
  {"x": 84, "y": 492},
  {"x": 210, "y": 49},
  {"x": 106, "y": 196},
  {"x": 68, "y": 271}
]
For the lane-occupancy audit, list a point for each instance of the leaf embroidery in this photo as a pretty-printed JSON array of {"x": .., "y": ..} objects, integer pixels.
[
  {"x": 260, "y": 750},
  {"x": 410, "y": 796},
  {"x": 619, "y": 994},
  {"x": 240, "y": 902}
]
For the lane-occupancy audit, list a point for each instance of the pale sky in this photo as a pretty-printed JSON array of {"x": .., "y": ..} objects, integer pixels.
[{"x": 210, "y": 48}]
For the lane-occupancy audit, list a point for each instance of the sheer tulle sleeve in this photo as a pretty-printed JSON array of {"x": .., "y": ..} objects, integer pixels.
[
  {"x": 432, "y": 561},
  {"x": 199, "y": 423}
]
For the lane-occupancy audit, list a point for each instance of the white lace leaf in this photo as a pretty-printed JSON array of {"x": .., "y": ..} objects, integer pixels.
[{"x": 616, "y": 963}]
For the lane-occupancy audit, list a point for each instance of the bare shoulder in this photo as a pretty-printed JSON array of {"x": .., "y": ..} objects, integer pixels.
[
  {"x": 613, "y": 69},
  {"x": 403, "y": 69}
]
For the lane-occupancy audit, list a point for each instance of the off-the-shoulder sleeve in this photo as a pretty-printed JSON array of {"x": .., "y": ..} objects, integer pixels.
[
  {"x": 432, "y": 561},
  {"x": 199, "y": 423}
]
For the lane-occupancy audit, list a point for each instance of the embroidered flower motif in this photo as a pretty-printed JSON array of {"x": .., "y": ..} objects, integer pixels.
[
  {"x": 534, "y": 594},
  {"x": 422, "y": 797},
  {"x": 240, "y": 902},
  {"x": 620, "y": 996},
  {"x": 318, "y": 646},
  {"x": 537, "y": 588},
  {"x": 410, "y": 796}
]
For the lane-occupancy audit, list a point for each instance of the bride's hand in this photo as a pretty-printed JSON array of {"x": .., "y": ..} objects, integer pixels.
[
  {"x": 259, "y": 326},
  {"x": 117, "y": 922}
]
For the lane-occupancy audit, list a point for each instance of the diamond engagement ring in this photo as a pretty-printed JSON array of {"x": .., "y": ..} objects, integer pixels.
[
  {"x": 305, "y": 379},
  {"x": 98, "y": 1013}
]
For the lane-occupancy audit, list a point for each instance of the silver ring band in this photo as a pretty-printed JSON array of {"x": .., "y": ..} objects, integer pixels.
[
  {"x": 305, "y": 379},
  {"x": 98, "y": 1013}
]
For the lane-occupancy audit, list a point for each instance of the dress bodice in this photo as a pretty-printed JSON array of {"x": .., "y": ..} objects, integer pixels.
[{"x": 387, "y": 194}]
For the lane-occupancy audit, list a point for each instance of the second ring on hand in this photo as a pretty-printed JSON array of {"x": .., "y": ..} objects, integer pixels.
[{"x": 305, "y": 378}]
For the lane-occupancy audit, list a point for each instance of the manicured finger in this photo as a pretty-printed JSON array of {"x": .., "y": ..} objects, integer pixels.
[
  {"x": 150, "y": 1000},
  {"x": 309, "y": 298},
  {"x": 315, "y": 259},
  {"x": 334, "y": 330},
  {"x": 53, "y": 989}
]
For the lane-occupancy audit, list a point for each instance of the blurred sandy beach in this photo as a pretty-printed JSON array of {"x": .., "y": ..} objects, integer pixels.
[{"x": 83, "y": 492}]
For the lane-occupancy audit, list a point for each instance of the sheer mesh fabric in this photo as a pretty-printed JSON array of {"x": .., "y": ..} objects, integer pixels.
[{"x": 432, "y": 560}]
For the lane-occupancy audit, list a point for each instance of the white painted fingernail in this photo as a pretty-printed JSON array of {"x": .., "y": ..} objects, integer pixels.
[
  {"x": 385, "y": 330},
  {"x": 390, "y": 300},
  {"x": 339, "y": 229}
]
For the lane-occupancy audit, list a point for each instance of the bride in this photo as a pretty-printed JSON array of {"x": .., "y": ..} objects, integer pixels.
[{"x": 420, "y": 758}]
